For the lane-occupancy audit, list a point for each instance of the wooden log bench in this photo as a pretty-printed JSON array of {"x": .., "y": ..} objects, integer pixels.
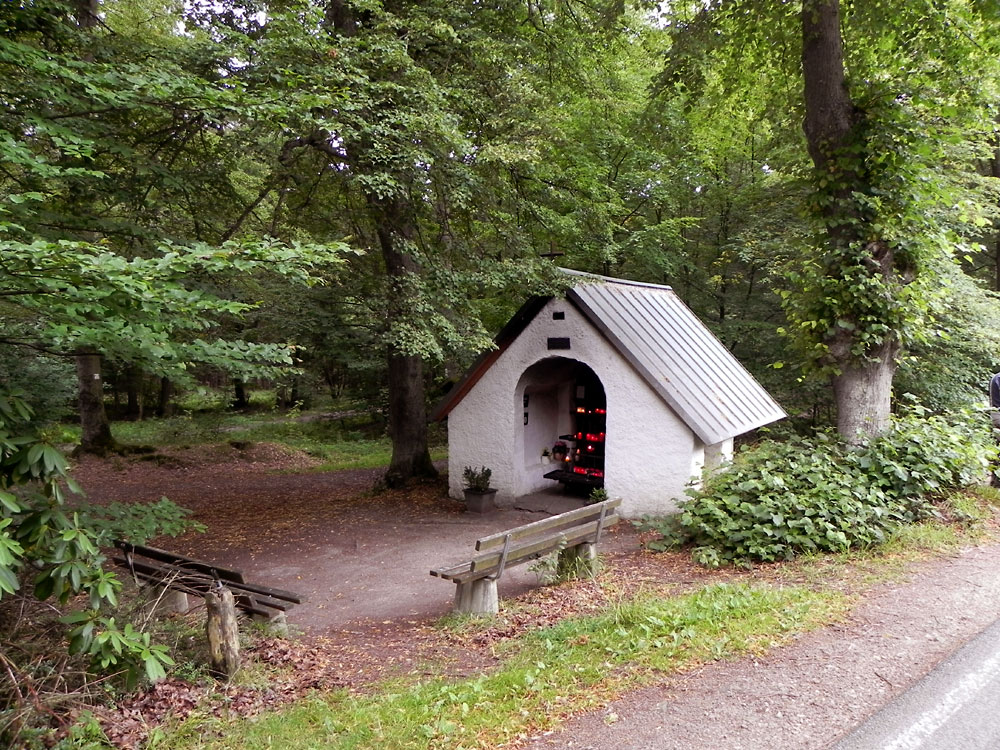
[
  {"x": 185, "y": 575},
  {"x": 574, "y": 535}
]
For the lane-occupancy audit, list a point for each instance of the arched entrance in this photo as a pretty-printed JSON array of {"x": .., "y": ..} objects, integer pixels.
[{"x": 564, "y": 406}]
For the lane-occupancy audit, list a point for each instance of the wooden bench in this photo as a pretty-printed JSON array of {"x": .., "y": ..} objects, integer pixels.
[
  {"x": 574, "y": 535},
  {"x": 186, "y": 575}
]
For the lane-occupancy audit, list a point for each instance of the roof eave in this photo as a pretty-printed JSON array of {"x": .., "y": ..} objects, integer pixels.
[{"x": 514, "y": 327}]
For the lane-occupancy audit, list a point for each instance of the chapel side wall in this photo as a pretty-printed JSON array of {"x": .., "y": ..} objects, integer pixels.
[
  {"x": 650, "y": 452},
  {"x": 651, "y": 467}
]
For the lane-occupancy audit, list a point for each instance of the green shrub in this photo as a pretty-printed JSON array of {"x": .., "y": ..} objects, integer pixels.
[
  {"x": 477, "y": 480},
  {"x": 597, "y": 495},
  {"x": 806, "y": 495}
]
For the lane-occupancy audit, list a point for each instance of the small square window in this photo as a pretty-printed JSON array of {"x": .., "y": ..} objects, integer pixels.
[{"x": 559, "y": 315}]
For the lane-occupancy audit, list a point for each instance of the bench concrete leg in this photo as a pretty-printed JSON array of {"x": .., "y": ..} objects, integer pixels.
[
  {"x": 276, "y": 623},
  {"x": 165, "y": 600},
  {"x": 477, "y": 598},
  {"x": 579, "y": 560}
]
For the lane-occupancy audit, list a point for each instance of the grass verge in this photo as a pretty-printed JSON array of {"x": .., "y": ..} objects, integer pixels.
[{"x": 544, "y": 676}]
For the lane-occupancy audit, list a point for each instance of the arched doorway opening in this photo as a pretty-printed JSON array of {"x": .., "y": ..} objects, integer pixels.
[{"x": 564, "y": 406}]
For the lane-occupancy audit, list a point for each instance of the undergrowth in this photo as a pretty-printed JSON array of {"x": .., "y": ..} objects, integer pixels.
[
  {"x": 818, "y": 495},
  {"x": 45, "y": 686}
]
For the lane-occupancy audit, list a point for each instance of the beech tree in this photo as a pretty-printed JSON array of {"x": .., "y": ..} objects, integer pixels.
[
  {"x": 427, "y": 166},
  {"x": 896, "y": 105},
  {"x": 114, "y": 148},
  {"x": 863, "y": 383},
  {"x": 894, "y": 144}
]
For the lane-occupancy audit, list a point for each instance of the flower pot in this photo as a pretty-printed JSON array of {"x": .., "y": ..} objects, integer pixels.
[
  {"x": 480, "y": 502},
  {"x": 545, "y": 460}
]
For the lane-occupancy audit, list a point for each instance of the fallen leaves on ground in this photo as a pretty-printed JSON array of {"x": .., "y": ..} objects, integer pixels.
[{"x": 359, "y": 657}]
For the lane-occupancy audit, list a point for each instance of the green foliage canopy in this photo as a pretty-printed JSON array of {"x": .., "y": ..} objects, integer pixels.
[
  {"x": 119, "y": 149},
  {"x": 66, "y": 296}
]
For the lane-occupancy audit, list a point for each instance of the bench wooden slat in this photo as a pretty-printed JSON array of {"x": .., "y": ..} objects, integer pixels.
[
  {"x": 197, "y": 577},
  {"x": 255, "y": 588},
  {"x": 190, "y": 577},
  {"x": 453, "y": 572},
  {"x": 196, "y": 586},
  {"x": 162, "y": 555},
  {"x": 534, "y": 546},
  {"x": 526, "y": 549},
  {"x": 192, "y": 582},
  {"x": 193, "y": 587},
  {"x": 450, "y": 570},
  {"x": 580, "y": 515}
]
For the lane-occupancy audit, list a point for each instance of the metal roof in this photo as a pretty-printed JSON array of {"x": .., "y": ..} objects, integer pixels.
[
  {"x": 669, "y": 347},
  {"x": 678, "y": 356}
]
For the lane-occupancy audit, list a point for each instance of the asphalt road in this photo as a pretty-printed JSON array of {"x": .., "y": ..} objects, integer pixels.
[
  {"x": 955, "y": 707},
  {"x": 815, "y": 691}
]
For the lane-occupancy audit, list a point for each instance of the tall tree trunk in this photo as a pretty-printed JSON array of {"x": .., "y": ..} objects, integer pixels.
[
  {"x": 294, "y": 393},
  {"x": 163, "y": 402},
  {"x": 862, "y": 393},
  {"x": 340, "y": 16},
  {"x": 240, "y": 399},
  {"x": 830, "y": 114},
  {"x": 407, "y": 409},
  {"x": 411, "y": 456},
  {"x": 86, "y": 13},
  {"x": 96, "y": 430},
  {"x": 133, "y": 390},
  {"x": 863, "y": 387}
]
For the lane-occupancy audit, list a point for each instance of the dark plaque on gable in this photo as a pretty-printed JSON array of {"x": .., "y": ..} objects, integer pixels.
[{"x": 558, "y": 343}]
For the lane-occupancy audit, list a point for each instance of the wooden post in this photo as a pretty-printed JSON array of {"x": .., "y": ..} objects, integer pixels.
[{"x": 223, "y": 632}]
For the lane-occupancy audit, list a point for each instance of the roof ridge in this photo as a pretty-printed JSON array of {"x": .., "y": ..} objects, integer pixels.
[{"x": 613, "y": 280}]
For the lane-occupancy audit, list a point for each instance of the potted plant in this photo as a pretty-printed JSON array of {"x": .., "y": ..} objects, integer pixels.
[
  {"x": 546, "y": 456},
  {"x": 479, "y": 496}
]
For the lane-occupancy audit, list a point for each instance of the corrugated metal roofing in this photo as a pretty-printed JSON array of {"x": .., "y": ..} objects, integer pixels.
[
  {"x": 666, "y": 343},
  {"x": 678, "y": 356}
]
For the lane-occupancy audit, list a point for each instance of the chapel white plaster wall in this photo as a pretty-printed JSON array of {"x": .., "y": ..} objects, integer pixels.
[
  {"x": 718, "y": 454},
  {"x": 651, "y": 454}
]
